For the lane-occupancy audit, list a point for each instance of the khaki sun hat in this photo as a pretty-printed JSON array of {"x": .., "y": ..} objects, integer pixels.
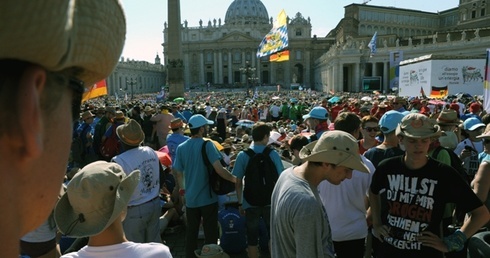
[
  {"x": 59, "y": 34},
  {"x": 335, "y": 147},
  {"x": 87, "y": 114},
  {"x": 416, "y": 125},
  {"x": 94, "y": 198},
  {"x": 131, "y": 133},
  {"x": 211, "y": 251},
  {"x": 448, "y": 117}
]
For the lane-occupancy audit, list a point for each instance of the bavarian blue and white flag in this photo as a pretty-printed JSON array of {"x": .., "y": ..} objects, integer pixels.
[
  {"x": 161, "y": 96},
  {"x": 372, "y": 43},
  {"x": 277, "y": 38}
]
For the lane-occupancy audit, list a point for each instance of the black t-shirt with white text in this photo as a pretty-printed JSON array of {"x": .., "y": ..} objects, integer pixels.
[{"x": 413, "y": 201}]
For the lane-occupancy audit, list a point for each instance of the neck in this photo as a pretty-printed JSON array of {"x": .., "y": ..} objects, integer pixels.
[
  {"x": 390, "y": 141},
  {"x": 311, "y": 175},
  {"x": 112, "y": 235},
  {"x": 368, "y": 142},
  {"x": 415, "y": 162}
]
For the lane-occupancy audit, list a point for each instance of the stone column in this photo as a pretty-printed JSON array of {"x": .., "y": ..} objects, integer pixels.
[
  {"x": 215, "y": 65},
  {"x": 175, "y": 69},
  {"x": 230, "y": 70},
  {"x": 220, "y": 67}
]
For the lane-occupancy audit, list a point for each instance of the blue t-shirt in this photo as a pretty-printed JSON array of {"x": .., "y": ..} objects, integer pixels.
[
  {"x": 242, "y": 162},
  {"x": 173, "y": 141},
  {"x": 233, "y": 230},
  {"x": 189, "y": 161}
]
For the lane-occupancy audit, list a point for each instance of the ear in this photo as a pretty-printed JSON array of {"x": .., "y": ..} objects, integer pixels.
[{"x": 31, "y": 134}]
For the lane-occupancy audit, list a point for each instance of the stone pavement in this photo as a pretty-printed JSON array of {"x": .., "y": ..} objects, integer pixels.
[{"x": 176, "y": 242}]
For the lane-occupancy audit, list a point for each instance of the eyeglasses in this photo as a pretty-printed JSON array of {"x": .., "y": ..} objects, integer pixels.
[
  {"x": 78, "y": 88},
  {"x": 372, "y": 129}
]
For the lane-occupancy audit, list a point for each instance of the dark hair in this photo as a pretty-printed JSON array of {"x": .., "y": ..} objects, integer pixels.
[
  {"x": 298, "y": 141},
  {"x": 195, "y": 131},
  {"x": 260, "y": 130},
  {"x": 347, "y": 122},
  {"x": 368, "y": 119}
]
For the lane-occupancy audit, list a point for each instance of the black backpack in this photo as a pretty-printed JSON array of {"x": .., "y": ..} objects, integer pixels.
[
  {"x": 456, "y": 162},
  {"x": 217, "y": 184},
  {"x": 260, "y": 178}
]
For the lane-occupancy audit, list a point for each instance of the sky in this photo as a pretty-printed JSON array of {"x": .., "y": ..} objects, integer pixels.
[{"x": 145, "y": 18}]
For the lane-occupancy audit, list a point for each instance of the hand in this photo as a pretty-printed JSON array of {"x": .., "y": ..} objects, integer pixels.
[
  {"x": 432, "y": 240},
  {"x": 381, "y": 232},
  {"x": 241, "y": 210},
  {"x": 464, "y": 154}
]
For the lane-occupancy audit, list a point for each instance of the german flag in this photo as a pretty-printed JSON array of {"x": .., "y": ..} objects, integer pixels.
[
  {"x": 97, "y": 90},
  {"x": 438, "y": 92},
  {"x": 279, "y": 56}
]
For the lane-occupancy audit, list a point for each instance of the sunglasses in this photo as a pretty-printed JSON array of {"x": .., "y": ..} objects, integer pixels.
[
  {"x": 78, "y": 88},
  {"x": 372, "y": 129}
]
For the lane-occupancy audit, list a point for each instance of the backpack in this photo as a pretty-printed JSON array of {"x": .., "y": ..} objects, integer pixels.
[
  {"x": 260, "y": 178},
  {"x": 217, "y": 184},
  {"x": 456, "y": 162},
  {"x": 110, "y": 147}
]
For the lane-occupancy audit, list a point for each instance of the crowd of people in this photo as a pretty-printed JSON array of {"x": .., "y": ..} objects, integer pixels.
[{"x": 315, "y": 175}]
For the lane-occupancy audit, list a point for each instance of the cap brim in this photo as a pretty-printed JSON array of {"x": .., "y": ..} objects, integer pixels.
[{"x": 474, "y": 127}]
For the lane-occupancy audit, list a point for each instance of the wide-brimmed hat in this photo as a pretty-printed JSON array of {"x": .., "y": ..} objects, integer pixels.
[
  {"x": 335, "y": 147},
  {"x": 176, "y": 123},
  {"x": 197, "y": 121},
  {"x": 485, "y": 134},
  {"x": 448, "y": 117},
  {"x": 87, "y": 114},
  {"x": 131, "y": 133},
  {"x": 400, "y": 100},
  {"x": 119, "y": 115},
  {"x": 148, "y": 109},
  {"x": 211, "y": 251},
  {"x": 94, "y": 198},
  {"x": 416, "y": 125},
  {"x": 56, "y": 35},
  {"x": 389, "y": 121},
  {"x": 317, "y": 113}
]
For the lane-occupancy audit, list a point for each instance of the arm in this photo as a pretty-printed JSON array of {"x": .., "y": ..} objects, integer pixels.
[
  {"x": 222, "y": 172},
  {"x": 379, "y": 230},
  {"x": 481, "y": 183},
  {"x": 476, "y": 219}
]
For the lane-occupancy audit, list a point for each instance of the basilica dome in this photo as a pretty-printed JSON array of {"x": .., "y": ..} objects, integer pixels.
[{"x": 247, "y": 12}]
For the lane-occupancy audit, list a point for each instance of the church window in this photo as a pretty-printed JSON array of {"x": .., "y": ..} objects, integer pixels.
[{"x": 299, "y": 32}]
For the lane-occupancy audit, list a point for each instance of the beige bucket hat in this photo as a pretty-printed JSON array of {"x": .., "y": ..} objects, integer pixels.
[
  {"x": 59, "y": 34},
  {"x": 416, "y": 125},
  {"x": 94, "y": 198},
  {"x": 335, "y": 147}
]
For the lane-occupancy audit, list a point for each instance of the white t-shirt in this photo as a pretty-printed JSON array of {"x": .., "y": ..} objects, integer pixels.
[
  {"x": 345, "y": 205},
  {"x": 123, "y": 250},
  {"x": 146, "y": 161}
]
